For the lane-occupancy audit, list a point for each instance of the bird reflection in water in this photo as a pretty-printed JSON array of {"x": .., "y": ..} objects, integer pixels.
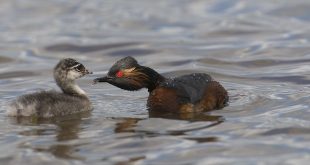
[
  {"x": 67, "y": 128},
  {"x": 129, "y": 124},
  {"x": 187, "y": 116}
]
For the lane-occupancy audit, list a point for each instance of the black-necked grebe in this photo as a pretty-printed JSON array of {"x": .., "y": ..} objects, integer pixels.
[
  {"x": 189, "y": 93},
  {"x": 52, "y": 103}
]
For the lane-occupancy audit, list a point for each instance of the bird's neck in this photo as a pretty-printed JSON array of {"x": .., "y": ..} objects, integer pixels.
[
  {"x": 154, "y": 78},
  {"x": 71, "y": 88}
]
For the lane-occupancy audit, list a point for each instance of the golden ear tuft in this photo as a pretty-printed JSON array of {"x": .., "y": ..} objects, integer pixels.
[{"x": 129, "y": 70}]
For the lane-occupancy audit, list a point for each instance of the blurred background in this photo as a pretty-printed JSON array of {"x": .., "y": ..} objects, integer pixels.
[{"x": 258, "y": 50}]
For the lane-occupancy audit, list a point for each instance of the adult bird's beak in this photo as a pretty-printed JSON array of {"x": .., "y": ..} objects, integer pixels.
[{"x": 102, "y": 79}]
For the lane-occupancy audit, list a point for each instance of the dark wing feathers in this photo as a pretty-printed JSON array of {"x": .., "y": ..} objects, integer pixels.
[{"x": 190, "y": 88}]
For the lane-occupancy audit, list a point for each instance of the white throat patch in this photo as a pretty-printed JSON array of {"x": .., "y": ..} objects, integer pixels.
[{"x": 72, "y": 75}]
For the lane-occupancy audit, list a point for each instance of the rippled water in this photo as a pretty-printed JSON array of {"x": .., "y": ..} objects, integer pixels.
[{"x": 259, "y": 50}]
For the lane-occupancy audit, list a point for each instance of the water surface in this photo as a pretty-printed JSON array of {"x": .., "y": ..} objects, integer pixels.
[{"x": 258, "y": 50}]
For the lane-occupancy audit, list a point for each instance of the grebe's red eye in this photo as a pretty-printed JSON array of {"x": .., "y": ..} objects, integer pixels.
[{"x": 119, "y": 74}]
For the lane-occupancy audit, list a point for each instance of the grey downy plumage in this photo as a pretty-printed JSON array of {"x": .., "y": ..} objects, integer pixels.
[{"x": 52, "y": 103}]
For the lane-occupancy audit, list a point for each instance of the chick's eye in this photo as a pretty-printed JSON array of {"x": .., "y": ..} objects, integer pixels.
[
  {"x": 119, "y": 74},
  {"x": 79, "y": 67}
]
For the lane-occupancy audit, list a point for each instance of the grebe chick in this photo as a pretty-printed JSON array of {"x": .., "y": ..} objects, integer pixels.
[
  {"x": 189, "y": 93},
  {"x": 46, "y": 104}
]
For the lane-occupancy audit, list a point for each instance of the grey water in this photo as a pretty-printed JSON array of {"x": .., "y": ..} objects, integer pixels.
[{"x": 258, "y": 50}]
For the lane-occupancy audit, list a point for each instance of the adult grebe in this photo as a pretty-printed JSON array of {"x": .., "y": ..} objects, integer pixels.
[{"x": 189, "y": 93}]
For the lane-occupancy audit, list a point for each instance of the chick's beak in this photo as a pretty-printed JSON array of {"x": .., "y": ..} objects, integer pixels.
[{"x": 88, "y": 72}]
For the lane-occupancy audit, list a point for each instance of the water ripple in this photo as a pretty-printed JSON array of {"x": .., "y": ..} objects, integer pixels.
[{"x": 259, "y": 51}]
